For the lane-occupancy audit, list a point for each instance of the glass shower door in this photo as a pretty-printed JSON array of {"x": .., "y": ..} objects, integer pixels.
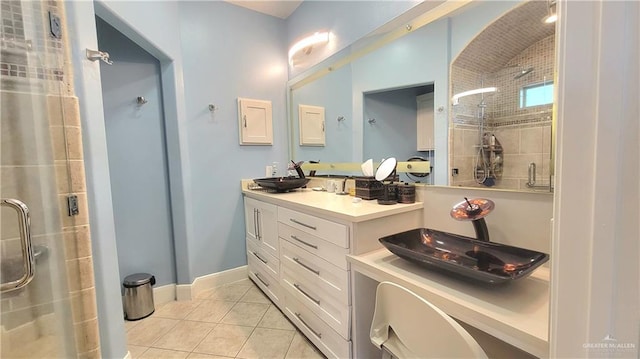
[{"x": 39, "y": 297}]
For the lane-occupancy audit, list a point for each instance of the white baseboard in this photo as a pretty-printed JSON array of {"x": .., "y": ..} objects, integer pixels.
[
  {"x": 210, "y": 281},
  {"x": 183, "y": 292},
  {"x": 164, "y": 294},
  {"x": 170, "y": 292}
]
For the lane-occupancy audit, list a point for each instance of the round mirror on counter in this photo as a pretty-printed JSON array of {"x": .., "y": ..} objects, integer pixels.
[{"x": 386, "y": 168}]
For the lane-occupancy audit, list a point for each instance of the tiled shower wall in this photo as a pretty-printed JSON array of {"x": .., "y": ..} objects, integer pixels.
[
  {"x": 525, "y": 134},
  {"x": 40, "y": 115}
]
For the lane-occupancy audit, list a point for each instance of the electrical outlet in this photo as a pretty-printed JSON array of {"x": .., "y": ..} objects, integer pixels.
[{"x": 454, "y": 172}]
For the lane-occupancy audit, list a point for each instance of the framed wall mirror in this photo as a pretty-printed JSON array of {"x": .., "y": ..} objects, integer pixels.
[{"x": 372, "y": 100}]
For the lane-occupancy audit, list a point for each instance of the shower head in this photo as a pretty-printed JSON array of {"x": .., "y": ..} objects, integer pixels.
[{"x": 523, "y": 72}]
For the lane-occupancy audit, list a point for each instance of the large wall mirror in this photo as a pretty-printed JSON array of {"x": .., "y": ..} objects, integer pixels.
[{"x": 496, "y": 59}]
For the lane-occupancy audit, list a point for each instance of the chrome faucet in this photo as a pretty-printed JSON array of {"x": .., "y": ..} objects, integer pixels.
[{"x": 474, "y": 210}]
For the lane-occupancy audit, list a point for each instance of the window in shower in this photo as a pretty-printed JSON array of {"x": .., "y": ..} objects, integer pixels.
[{"x": 536, "y": 94}]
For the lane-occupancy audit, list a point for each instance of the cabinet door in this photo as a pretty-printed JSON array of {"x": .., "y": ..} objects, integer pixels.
[
  {"x": 424, "y": 119},
  {"x": 255, "y": 120},
  {"x": 311, "y": 122},
  {"x": 261, "y": 224},
  {"x": 250, "y": 218},
  {"x": 268, "y": 228}
]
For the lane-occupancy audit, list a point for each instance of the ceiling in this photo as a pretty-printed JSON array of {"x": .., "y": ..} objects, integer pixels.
[{"x": 277, "y": 8}]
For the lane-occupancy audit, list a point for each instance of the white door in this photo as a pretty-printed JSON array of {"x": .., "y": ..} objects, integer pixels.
[{"x": 424, "y": 119}]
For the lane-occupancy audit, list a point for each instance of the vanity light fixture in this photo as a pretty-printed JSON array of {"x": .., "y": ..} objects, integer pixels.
[
  {"x": 306, "y": 45},
  {"x": 460, "y": 95},
  {"x": 552, "y": 15}
]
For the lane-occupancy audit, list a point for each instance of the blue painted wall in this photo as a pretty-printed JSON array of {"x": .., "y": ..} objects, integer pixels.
[
  {"x": 333, "y": 92},
  {"x": 394, "y": 132},
  {"x": 137, "y": 158},
  {"x": 160, "y": 36},
  {"x": 417, "y": 58},
  {"x": 228, "y": 52}
]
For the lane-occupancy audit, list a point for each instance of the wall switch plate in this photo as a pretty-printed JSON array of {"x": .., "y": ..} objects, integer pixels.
[{"x": 72, "y": 205}]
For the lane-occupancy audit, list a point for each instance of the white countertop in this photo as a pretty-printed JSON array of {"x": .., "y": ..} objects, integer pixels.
[
  {"x": 330, "y": 205},
  {"x": 516, "y": 313}
]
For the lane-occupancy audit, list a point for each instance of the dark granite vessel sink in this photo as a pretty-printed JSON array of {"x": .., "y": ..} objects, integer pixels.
[
  {"x": 281, "y": 184},
  {"x": 484, "y": 262}
]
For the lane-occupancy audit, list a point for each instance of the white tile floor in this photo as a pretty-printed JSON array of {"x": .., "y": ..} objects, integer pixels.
[{"x": 232, "y": 321}]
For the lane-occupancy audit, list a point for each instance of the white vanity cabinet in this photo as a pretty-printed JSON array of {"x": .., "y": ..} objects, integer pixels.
[
  {"x": 316, "y": 290},
  {"x": 316, "y": 231},
  {"x": 263, "y": 246}
]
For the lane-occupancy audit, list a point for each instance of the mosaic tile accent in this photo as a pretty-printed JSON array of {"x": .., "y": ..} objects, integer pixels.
[
  {"x": 506, "y": 37},
  {"x": 28, "y": 49}
]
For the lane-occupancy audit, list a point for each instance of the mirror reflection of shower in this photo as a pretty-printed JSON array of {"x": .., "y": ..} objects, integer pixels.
[
  {"x": 496, "y": 135},
  {"x": 488, "y": 161}
]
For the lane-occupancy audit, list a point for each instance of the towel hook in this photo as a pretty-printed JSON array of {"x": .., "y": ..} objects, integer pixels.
[
  {"x": 371, "y": 121},
  {"x": 141, "y": 100},
  {"x": 95, "y": 55}
]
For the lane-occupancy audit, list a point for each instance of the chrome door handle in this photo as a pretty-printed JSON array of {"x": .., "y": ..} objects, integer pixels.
[
  {"x": 258, "y": 234},
  {"x": 25, "y": 239},
  {"x": 256, "y": 230}
]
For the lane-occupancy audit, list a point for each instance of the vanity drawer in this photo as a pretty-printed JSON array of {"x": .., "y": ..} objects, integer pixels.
[
  {"x": 269, "y": 263},
  {"x": 336, "y": 255},
  {"x": 268, "y": 284},
  {"x": 330, "y": 310},
  {"x": 331, "y": 280},
  {"x": 315, "y": 329},
  {"x": 335, "y": 233}
]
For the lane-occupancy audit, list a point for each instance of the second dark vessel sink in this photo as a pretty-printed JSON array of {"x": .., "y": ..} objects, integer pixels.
[{"x": 485, "y": 262}]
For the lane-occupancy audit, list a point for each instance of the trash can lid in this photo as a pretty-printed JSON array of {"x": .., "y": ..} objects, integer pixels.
[{"x": 137, "y": 279}]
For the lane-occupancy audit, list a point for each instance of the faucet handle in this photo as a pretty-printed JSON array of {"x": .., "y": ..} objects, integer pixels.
[
  {"x": 296, "y": 166},
  {"x": 472, "y": 209}
]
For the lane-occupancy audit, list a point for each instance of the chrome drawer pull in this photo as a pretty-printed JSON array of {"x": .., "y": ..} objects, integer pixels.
[
  {"x": 302, "y": 224},
  {"x": 260, "y": 257},
  {"x": 303, "y": 242},
  {"x": 260, "y": 278},
  {"x": 306, "y": 294},
  {"x": 318, "y": 334},
  {"x": 295, "y": 259}
]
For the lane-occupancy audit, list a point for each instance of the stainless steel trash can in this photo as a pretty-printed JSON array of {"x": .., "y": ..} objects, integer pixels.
[{"x": 138, "y": 296}]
